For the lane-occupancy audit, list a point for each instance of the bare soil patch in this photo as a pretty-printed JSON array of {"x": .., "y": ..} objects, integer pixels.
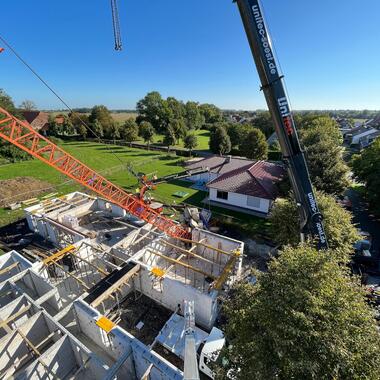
[{"x": 21, "y": 188}]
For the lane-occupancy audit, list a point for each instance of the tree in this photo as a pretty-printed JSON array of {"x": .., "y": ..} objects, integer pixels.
[
  {"x": 340, "y": 232},
  {"x": 104, "y": 117},
  {"x": 97, "y": 129},
  {"x": 306, "y": 318},
  {"x": 130, "y": 130},
  {"x": 194, "y": 117},
  {"x": 28, "y": 105},
  {"x": 54, "y": 128},
  {"x": 177, "y": 108},
  {"x": 82, "y": 131},
  {"x": 366, "y": 167},
  {"x": 155, "y": 110},
  {"x": 114, "y": 132},
  {"x": 78, "y": 119},
  {"x": 219, "y": 141},
  {"x": 254, "y": 145},
  {"x": 211, "y": 113},
  {"x": 263, "y": 121},
  {"x": 178, "y": 127},
  {"x": 169, "y": 138},
  {"x": 7, "y": 150},
  {"x": 147, "y": 132},
  {"x": 67, "y": 128},
  {"x": 275, "y": 146},
  {"x": 6, "y": 102},
  {"x": 190, "y": 142},
  {"x": 322, "y": 141},
  {"x": 237, "y": 133}
]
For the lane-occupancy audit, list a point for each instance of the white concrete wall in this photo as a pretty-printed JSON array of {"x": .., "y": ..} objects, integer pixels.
[
  {"x": 38, "y": 284},
  {"x": 118, "y": 342},
  {"x": 223, "y": 243},
  {"x": 174, "y": 293},
  {"x": 12, "y": 308},
  {"x": 240, "y": 200},
  {"x": 10, "y": 258},
  {"x": 115, "y": 210}
]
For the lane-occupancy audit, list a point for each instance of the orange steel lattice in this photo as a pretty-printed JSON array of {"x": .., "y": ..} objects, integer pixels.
[{"x": 22, "y": 135}]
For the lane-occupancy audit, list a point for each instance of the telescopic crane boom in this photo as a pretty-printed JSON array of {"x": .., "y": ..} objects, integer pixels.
[{"x": 278, "y": 103}]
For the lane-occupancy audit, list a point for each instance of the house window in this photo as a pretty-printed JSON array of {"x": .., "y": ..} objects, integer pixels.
[
  {"x": 222, "y": 195},
  {"x": 253, "y": 202}
]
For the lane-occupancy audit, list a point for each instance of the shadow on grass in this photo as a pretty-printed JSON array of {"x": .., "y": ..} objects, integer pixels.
[
  {"x": 111, "y": 147},
  {"x": 83, "y": 144}
]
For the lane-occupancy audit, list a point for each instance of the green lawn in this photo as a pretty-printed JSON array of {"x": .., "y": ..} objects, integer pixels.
[{"x": 111, "y": 161}]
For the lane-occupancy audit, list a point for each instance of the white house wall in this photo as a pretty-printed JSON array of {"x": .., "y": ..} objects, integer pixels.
[{"x": 240, "y": 200}]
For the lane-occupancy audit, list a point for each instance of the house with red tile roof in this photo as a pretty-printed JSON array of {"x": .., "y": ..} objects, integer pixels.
[
  {"x": 37, "y": 119},
  {"x": 241, "y": 184}
]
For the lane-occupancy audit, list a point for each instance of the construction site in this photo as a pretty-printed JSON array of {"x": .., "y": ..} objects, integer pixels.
[{"x": 108, "y": 302}]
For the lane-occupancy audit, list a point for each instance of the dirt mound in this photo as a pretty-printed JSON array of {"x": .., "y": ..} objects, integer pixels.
[{"x": 21, "y": 188}]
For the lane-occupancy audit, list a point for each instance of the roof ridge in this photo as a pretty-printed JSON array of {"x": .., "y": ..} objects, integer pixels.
[{"x": 257, "y": 180}]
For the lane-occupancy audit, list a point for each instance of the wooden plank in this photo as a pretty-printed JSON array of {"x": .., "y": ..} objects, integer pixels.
[
  {"x": 9, "y": 268},
  {"x": 14, "y": 316},
  {"x": 179, "y": 262}
]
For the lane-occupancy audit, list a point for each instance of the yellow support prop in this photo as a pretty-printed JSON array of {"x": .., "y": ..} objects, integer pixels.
[
  {"x": 105, "y": 324},
  {"x": 58, "y": 255}
]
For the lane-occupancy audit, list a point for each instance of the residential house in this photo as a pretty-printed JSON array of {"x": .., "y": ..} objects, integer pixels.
[
  {"x": 37, "y": 119},
  {"x": 365, "y": 138},
  {"x": 373, "y": 123},
  {"x": 240, "y": 184}
]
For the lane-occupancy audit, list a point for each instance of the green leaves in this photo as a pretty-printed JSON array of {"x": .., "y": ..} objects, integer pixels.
[
  {"x": 341, "y": 233},
  {"x": 366, "y": 167},
  {"x": 305, "y": 319},
  {"x": 220, "y": 142},
  {"x": 254, "y": 145},
  {"x": 322, "y": 141}
]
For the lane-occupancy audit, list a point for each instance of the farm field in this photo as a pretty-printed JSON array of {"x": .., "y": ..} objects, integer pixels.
[{"x": 111, "y": 161}]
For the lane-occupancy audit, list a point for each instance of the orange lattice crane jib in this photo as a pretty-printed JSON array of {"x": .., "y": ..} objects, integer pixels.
[{"x": 22, "y": 135}]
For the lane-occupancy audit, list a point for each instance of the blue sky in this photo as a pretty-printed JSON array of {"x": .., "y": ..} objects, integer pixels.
[{"x": 194, "y": 49}]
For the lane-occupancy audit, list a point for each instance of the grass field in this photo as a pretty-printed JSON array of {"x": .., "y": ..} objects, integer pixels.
[{"x": 111, "y": 161}]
